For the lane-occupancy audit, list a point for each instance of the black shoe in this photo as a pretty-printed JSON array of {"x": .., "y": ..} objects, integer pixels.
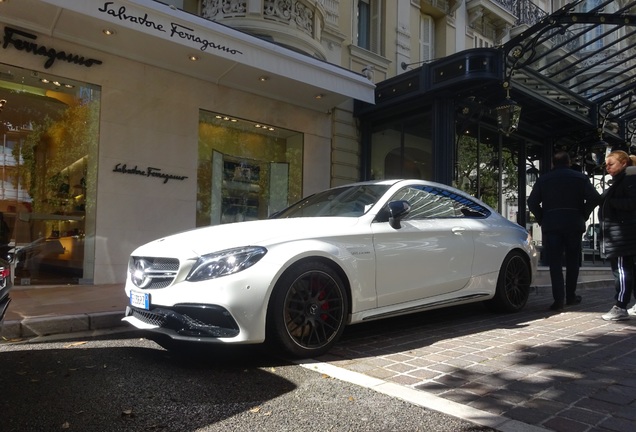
[
  {"x": 574, "y": 300},
  {"x": 556, "y": 306}
]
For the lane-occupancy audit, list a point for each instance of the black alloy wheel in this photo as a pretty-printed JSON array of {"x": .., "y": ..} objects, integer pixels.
[
  {"x": 513, "y": 285},
  {"x": 308, "y": 310}
]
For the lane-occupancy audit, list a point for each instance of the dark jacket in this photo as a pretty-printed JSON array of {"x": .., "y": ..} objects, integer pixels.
[
  {"x": 617, "y": 215},
  {"x": 562, "y": 200}
]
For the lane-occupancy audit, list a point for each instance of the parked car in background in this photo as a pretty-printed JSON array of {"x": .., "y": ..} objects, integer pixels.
[
  {"x": 5, "y": 287},
  {"x": 346, "y": 255}
]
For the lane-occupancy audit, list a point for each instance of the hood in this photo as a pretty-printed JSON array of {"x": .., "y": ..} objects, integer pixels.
[{"x": 267, "y": 232}]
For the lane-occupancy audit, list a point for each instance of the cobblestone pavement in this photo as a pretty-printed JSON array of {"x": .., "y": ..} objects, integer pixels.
[{"x": 568, "y": 371}]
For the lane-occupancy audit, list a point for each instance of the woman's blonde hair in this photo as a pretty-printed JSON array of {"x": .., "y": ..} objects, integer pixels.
[
  {"x": 621, "y": 156},
  {"x": 633, "y": 159}
]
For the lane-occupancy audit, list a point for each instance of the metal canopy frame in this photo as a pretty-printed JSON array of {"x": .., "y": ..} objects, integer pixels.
[
  {"x": 582, "y": 58},
  {"x": 573, "y": 73}
]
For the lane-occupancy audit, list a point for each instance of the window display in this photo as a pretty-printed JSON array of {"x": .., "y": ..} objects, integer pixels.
[
  {"x": 247, "y": 171},
  {"x": 49, "y": 129}
]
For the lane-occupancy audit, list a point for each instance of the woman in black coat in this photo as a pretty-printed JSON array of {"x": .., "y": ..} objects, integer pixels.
[{"x": 617, "y": 214}]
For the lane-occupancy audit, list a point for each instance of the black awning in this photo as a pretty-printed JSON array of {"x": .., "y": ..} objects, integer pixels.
[{"x": 572, "y": 72}]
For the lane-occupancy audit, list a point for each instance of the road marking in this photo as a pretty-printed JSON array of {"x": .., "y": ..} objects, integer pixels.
[{"x": 421, "y": 398}]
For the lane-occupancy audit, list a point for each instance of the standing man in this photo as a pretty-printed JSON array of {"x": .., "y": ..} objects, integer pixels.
[{"x": 562, "y": 201}]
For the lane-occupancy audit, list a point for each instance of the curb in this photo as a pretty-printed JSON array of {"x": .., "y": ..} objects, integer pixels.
[
  {"x": 44, "y": 326},
  {"x": 30, "y": 327}
]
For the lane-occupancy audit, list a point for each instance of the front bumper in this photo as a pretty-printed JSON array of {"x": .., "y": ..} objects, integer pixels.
[{"x": 185, "y": 321}]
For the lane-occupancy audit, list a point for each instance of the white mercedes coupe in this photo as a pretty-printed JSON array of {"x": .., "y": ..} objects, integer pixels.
[{"x": 346, "y": 255}]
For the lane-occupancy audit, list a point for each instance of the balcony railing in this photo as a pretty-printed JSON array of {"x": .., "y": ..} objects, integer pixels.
[
  {"x": 295, "y": 23},
  {"x": 526, "y": 12}
]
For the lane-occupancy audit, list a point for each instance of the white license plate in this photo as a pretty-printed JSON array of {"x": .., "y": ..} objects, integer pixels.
[{"x": 140, "y": 300}]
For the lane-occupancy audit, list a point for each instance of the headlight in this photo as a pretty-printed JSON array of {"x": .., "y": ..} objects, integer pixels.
[{"x": 226, "y": 262}]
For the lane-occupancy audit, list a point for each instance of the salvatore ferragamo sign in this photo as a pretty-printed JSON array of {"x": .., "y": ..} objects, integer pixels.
[
  {"x": 148, "y": 172},
  {"x": 173, "y": 29},
  {"x": 23, "y": 41}
]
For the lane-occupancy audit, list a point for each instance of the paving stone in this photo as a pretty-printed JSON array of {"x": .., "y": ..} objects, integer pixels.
[
  {"x": 618, "y": 425},
  {"x": 490, "y": 404},
  {"x": 618, "y": 395},
  {"x": 560, "y": 424},
  {"x": 544, "y": 405},
  {"x": 527, "y": 415},
  {"x": 583, "y": 416}
]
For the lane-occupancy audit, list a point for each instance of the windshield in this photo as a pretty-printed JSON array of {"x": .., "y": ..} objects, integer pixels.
[{"x": 348, "y": 201}]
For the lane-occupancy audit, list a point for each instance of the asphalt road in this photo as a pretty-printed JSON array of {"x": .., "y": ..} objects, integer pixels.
[{"x": 120, "y": 382}]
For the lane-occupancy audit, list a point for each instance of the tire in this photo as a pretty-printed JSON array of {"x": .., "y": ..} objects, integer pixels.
[
  {"x": 513, "y": 285},
  {"x": 307, "y": 310}
]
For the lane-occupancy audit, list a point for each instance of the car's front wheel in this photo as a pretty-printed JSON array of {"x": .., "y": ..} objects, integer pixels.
[
  {"x": 513, "y": 285},
  {"x": 307, "y": 311}
]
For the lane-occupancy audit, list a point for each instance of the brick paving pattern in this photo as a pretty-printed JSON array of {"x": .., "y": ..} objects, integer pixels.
[{"x": 568, "y": 371}]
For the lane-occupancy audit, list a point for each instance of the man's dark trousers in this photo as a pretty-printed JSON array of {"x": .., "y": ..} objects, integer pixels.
[{"x": 558, "y": 242}]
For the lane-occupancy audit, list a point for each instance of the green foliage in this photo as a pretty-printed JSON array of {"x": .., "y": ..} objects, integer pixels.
[{"x": 478, "y": 170}]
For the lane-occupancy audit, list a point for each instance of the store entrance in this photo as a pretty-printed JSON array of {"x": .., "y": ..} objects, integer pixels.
[{"x": 49, "y": 131}]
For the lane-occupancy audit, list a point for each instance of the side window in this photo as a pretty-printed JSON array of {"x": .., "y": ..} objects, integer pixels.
[{"x": 429, "y": 202}]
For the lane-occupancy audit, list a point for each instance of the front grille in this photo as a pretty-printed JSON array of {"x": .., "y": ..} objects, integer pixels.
[
  {"x": 148, "y": 317},
  {"x": 189, "y": 320},
  {"x": 153, "y": 273}
]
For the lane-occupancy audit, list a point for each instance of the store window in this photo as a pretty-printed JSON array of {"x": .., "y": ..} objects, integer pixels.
[
  {"x": 487, "y": 168},
  {"x": 49, "y": 127},
  {"x": 402, "y": 149},
  {"x": 247, "y": 170}
]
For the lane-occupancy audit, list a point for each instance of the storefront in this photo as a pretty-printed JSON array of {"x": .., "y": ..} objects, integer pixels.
[{"x": 126, "y": 121}]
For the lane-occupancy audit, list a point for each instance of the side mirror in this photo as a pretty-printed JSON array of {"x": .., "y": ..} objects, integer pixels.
[{"x": 397, "y": 210}]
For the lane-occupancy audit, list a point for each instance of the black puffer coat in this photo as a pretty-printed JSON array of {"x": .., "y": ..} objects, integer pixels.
[{"x": 617, "y": 214}]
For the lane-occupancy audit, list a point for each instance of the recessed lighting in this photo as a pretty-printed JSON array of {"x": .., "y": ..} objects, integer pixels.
[
  {"x": 193, "y": 57},
  {"x": 263, "y": 78},
  {"x": 44, "y": 81},
  {"x": 319, "y": 96},
  {"x": 57, "y": 83},
  {"x": 108, "y": 32}
]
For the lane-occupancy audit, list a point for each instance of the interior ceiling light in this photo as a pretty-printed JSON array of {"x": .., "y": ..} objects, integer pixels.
[
  {"x": 319, "y": 96},
  {"x": 57, "y": 83},
  {"x": 263, "y": 78},
  {"x": 193, "y": 57},
  {"x": 108, "y": 32}
]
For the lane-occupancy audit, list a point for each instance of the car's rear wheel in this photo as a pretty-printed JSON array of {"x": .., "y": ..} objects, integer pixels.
[
  {"x": 513, "y": 285},
  {"x": 307, "y": 311}
]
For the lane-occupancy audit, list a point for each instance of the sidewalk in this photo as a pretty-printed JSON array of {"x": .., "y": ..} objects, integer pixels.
[{"x": 46, "y": 310}]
